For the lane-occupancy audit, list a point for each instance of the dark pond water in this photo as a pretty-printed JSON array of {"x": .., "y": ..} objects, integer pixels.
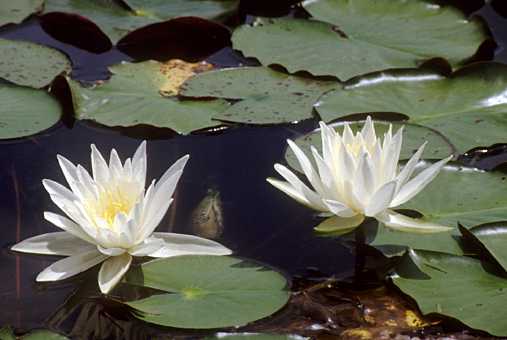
[{"x": 259, "y": 222}]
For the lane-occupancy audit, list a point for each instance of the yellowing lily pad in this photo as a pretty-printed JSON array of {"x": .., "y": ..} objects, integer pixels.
[
  {"x": 14, "y": 12},
  {"x": 351, "y": 38},
  {"x": 28, "y": 64},
  {"x": 264, "y": 96},
  {"x": 208, "y": 291},
  {"x": 178, "y": 71},
  {"x": 137, "y": 94},
  {"x": 25, "y": 111}
]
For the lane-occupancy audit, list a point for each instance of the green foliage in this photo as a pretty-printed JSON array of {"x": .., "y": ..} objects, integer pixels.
[{"x": 14, "y": 12}]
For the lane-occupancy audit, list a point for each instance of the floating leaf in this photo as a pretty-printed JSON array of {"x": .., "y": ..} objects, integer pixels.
[
  {"x": 135, "y": 94},
  {"x": 493, "y": 236},
  {"x": 457, "y": 194},
  {"x": 6, "y": 333},
  {"x": 14, "y": 12},
  {"x": 28, "y": 64},
  {"x": 469, "y": 108},
  {"x": 265, "y": 96},
  {"x": 413, "y": 136},
  {"x": 116, "y": 21},
  {"x": 457, "y": 286},
  {"x": 25, "y": 111},
  {"x": 208, "y": 291},
  {"x": 357, "y": 37},
  {"x": 254, "y": 336}
]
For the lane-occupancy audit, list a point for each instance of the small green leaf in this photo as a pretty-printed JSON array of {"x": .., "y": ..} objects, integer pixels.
[
  {"x": 351, "y": 38},
  {"x": 42, "y": 334},
  {"x": 14, "y": 12},
  {"x": 25, "y": 111},
  {"x": 493, "y": 237},
  {"x": 134, "y": 95},
  {"x": 339, "y": 225},
  {"x": 457, "y": 286},
  {"x": 265, "y": 96},
  {"x": 208, "y": 291},
  {"x": 469, "y": 108},
  {"x": 28, "y": 64}
]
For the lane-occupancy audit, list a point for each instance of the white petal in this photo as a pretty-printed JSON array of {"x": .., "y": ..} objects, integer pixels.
[
  {"x": 69, "y": 226},
  {"x": 59, "y": 243},
  {"x": 71, "y": 266},
  {"x": 69, "y": 171},
  {"x": 392, "y": 156},
  {"x": 364, "y": 179},
  {"x": 110, "y": 251},
  {"x": 86, "y": 184},
  {"x": 313, "y": 198},
  {"x": 339, "y": 208},
  {"x": 307, "y": 167},
  {"x": 139, "y": 164},
  {"x": 416, "y": 184},
  {"x": 289, "y": 190},
  {"x": 99, "y": 167},
  {"x": 179, "y": 165},
  {"x": 152, "y": 223},
  {"x": 112, "y": 270},
  {"x": 368, "y": 131},
  {"x": 55, "y": 188},
  {"x": 348, "y": 135},
  {"x": 124, "y": 227},
  {"x": 330, "y": 186},
  {"x": 151, "y": 245},
  {"x": 180, "y": 244},
  {"x": 115, "y": 167},
  {"x": 404, "y": 223},
  {"x": 409, "y": 167},
  {"x": 381, "y": 199}
]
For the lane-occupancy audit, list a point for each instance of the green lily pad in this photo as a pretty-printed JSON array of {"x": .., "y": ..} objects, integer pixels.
[
  {"x": 28, "y": 64},
  {"x": 6, "y": 333},
  {"x": 469, "y": 108},
  {"x": 14, "y": 12},
  {"x": 25, "y": 111},
  {"x": 255, "y": 336},
  {"x": 350, "y": 38},
  {"x": 457, "y": 194},
  {"x": 116, "y": 21},
  {"x": 135, "y": 94},
  {"x": 208, "y": 291},
  {"x": 265, "y": 96},
  {"x": 493, "y": 236},
  {"x": 413, "y": 136},
  {"x": 457, "y": 286}
]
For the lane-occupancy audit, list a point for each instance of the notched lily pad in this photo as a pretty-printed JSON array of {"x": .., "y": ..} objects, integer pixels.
[
  {"x": 116, "y": 20},
  {"x": 25, "y": 111},
  {"x": 457, "y": 286},
  {"x": 350, "y": 38},
  {"x": 493, "y": 236},
  {"x": 28, "y": 64},
  {"x": 264, "y": 96},
  {"x": 14, "y": 12},
  {"x": 414, "y": 136},
  {"x": 137, "y": 94},
  {"x": 469, "y": 108},
  {"x": 458, "y": 194},
  {"x": 208, "y": 291}
]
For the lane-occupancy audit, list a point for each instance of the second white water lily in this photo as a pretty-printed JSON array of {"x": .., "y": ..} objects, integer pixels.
[
  {"x": 358, "y": 176},
  {"x": 111, "y": 219}
]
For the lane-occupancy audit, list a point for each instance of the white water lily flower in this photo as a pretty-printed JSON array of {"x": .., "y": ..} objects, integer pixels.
[
  {"x": 358, "y": 176},
  {"x": 111, "y": 218}
]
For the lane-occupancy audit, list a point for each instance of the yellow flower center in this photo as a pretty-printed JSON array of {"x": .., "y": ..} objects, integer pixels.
[{"x": 109, "y": 204}]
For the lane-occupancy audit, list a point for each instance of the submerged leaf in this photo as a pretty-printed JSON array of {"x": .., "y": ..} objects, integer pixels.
[
  {"x": 350, "y": 38},
  {"x": 469, "y": 108},
  {"x": 28, "y": 64},
  {"x": 208, "y": 291},
  {"x": 136, "y": 94},
  {"x": 25, "y": 111},
  {"x": 457, "y": 286},
  {"x": 265, "y": 96}
]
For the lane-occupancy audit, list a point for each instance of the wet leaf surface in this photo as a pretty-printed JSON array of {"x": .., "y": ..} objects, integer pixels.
[
  {"x": 116, "y": 20},
  {"x": 264, "y": 96},
  {"x": 137, "y": 94},
  {"x": 469, "y": 108},
  {"x": 208, "y": 291},
  {"x": 14, "y": 12},
  {"x": 26, "y": 111},
  {"x": 347, "y": 39},
  {"x": 29, "y": 64},
  {"x": 457, "y": 286},
  {"x": 493, "y": 236}
]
